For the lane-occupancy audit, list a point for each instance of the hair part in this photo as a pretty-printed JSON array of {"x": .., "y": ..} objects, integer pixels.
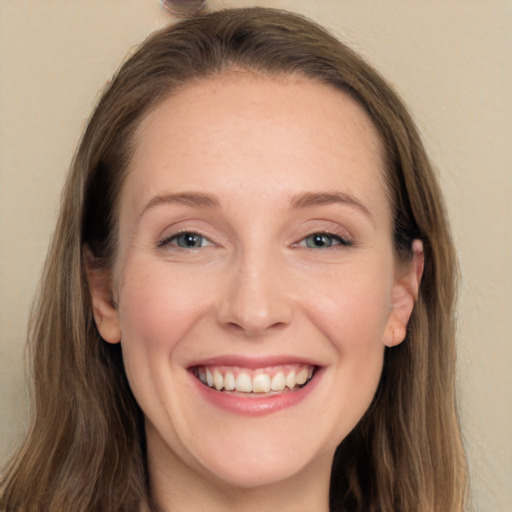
[{"x": 85, "y": 448}]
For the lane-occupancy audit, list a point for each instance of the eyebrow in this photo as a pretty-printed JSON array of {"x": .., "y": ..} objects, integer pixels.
[
  {"x": 299, "y": 201},
  {"x": 197, "y": 199},
  {"x": 307, "y": 199}
]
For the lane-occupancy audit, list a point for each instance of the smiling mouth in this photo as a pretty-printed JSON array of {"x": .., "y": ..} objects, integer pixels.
[{"x": 278, "y": 379}]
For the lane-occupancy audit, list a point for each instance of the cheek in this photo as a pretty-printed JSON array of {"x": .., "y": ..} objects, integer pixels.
[
  {"x": 352, "y": 321},
  {"x": 352, "y": 313},
  {"x": 354, "y": 326},
  {"x": 157, "y": 310}
]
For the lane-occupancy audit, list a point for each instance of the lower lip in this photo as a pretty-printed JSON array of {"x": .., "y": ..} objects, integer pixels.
[{"x": 254, "y": 404}]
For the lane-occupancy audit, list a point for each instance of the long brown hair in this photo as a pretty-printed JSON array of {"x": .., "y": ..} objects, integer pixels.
[{"x": 85, "y": 447}]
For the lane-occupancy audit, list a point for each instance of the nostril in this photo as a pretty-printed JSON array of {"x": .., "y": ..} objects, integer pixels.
[
  {"x": 252, "y": 330},
  {"x": 233, "y": 326}
]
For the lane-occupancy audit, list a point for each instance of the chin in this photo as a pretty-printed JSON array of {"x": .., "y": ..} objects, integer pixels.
[{"x": 256, "y": 471}]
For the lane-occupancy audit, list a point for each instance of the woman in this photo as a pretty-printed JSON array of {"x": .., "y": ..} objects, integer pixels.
[{"x": 248, "y": 301}]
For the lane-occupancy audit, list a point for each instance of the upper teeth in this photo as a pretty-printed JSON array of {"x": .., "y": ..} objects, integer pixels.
[{"x": 259, "y": 381}]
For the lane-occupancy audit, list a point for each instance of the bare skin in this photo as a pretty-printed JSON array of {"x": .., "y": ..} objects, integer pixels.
[{"x": 255, "y": 237}]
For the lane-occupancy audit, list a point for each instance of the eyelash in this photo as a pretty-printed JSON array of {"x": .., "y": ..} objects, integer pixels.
[
  {"x": 338, "y": 239},
  {"x": 333, "y": 238},
  {"x": 169, "y": 240}
]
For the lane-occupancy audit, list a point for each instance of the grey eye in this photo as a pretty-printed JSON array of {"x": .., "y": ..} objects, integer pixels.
[
  {"x": 188, "y": 240},
  {"x": 320, "y": 240},
  {"x": 324, "y": 241}
]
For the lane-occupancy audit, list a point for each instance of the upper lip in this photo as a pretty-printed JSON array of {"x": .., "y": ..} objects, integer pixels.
[{"x": 254, "y": 362}]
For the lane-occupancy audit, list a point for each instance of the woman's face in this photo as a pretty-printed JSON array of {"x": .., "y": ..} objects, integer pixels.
[{"x": 255, "y": 253}]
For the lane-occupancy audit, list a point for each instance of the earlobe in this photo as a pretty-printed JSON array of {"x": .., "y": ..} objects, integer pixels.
[
  {"x": 403, "y": 297},
  {"x": 103, "y": 306}
]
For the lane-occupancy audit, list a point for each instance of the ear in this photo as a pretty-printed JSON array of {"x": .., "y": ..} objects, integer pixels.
[
  {"x": 103, "y": 306},
  {"x": 403, "y": 296}
]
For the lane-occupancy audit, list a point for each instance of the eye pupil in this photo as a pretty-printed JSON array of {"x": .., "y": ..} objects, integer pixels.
[
  {"x": 189, "y": 240},
  {"x": 319, "y": 240}
]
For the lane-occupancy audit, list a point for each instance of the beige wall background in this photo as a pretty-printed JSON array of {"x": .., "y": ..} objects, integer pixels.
[{"x": 450, "y": 59}]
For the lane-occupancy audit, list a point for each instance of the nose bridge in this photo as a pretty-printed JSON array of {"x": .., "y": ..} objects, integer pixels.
[{"x": 256, "y": 297}]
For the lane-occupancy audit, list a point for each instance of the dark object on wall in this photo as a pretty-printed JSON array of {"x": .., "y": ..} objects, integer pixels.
[{"x": 183, "y": 7}]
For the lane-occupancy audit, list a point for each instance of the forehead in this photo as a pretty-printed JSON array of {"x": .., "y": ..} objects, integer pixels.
[{"x": 244, "y": 130}]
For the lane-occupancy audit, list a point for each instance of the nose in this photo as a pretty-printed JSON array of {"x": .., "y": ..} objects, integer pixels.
[{"x": 257, "y": 298}]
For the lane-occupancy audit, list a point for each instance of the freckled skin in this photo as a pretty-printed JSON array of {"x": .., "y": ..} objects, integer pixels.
[{"x": 255, "y": 285}]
